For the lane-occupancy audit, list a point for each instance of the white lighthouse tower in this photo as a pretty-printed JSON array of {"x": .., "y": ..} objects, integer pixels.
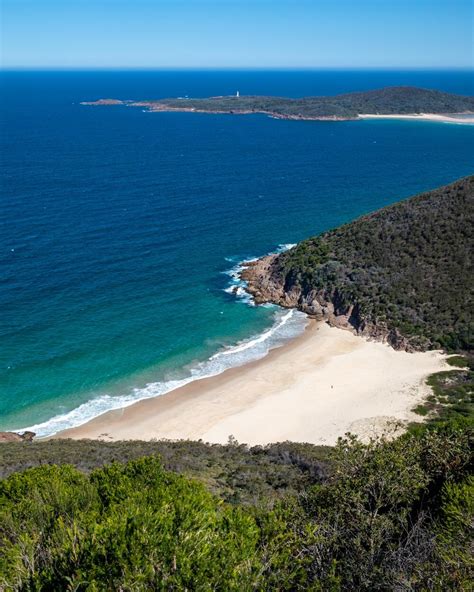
[{"x": 237, "y": 94}]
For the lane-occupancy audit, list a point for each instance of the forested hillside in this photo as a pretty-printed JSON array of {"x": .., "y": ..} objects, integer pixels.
[{"x": 404, "y": 273}]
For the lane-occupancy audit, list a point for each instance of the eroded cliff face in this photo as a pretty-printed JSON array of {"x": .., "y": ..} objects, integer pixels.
[{"x": 266, "y": 284}]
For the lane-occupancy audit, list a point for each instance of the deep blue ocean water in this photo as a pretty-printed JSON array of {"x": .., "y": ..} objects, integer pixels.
[{"x": 118, "y": 226}]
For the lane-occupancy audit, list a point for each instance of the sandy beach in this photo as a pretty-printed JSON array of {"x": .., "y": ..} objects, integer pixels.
[
  {"x": 323, "y": 384},
  {"x": 446, "y": 118}
]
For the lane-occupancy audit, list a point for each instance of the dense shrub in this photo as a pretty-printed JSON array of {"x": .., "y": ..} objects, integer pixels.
[
  {"x": 236, "y": 472},
  {"x": 388, "y": 516},
  {"x": 127, "y": 527}
]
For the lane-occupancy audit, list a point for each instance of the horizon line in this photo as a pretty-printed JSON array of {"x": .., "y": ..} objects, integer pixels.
[{"x": 230, "y": 68}]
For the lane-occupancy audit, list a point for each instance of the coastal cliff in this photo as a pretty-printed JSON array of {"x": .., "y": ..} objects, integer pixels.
[{"x": 403, "y": 275}]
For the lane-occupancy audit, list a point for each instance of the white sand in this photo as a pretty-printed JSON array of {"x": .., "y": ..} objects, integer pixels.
[
  {"x": 448, "y": 118},
  {"x": 323, "y": 384}
]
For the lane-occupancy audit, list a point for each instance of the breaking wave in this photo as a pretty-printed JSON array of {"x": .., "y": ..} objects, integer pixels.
[
  {"x": 286, "y": 326},
  {"x": 237, "y": 286}
]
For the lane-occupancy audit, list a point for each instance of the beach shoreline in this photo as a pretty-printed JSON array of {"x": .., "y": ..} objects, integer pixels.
[
  {"x": 464, "y": 118},
  {"x": 322, "y": 384}
]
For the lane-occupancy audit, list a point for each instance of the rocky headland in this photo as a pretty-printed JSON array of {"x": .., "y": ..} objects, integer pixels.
[{"x": 403, "y": 275}]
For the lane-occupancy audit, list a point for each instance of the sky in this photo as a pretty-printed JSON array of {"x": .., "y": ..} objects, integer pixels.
[{"x": 236, "y": 33}]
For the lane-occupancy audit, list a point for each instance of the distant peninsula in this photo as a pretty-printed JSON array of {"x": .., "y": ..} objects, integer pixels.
[{"x": 397, "y": 101}]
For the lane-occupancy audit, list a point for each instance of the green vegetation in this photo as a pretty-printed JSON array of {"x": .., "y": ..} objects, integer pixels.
[
  {"x": 125, "y": 527},
  {"x": 406, "y": 270},
  {"x": 453, "y": 392},
  {"x": 386, "y": 101},
  {"x": 422, "y": 409},
  {"x": 460, "y": 361},
  {"x": 385, "y": 516},
  {"x": 236, "y": 473}
]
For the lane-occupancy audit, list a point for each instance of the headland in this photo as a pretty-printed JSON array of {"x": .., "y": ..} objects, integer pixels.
[{"x": 395, "y": 102}]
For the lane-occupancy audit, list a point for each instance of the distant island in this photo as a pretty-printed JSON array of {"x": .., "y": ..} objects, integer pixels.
[
  {"x": 397, "y": 101},
  {"x": 403, "y": 274}
]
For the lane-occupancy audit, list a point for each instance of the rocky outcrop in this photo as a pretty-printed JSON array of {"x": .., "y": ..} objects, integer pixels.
[
  {"x": 14, "y": 437},
  {"x": 103, "y": 102}
]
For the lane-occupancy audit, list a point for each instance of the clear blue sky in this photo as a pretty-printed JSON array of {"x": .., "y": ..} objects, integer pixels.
[{"x": 237, "y": 33}]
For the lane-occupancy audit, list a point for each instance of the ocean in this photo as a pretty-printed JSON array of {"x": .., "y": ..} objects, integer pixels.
[{"x": 122, "y": 230}]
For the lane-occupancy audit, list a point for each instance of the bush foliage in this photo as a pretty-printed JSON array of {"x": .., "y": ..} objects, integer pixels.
[
  {"x": 386, "y": 516},
  {"x": 236, "y": 473}
]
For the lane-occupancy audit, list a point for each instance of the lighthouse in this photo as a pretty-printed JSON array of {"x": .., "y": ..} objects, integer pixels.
[{"x": 237, "y": 94}]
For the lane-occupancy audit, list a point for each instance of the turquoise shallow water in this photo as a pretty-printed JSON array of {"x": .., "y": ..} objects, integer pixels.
[{"x": 121, "y": 228}]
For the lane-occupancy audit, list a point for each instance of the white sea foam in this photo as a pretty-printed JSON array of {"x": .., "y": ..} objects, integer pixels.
[
  {"x": 266, "y": 336},
  {"x": 237, "y": 286},
  {"x": 287, "y": 325},
  {"x": 285, "y": 247}
]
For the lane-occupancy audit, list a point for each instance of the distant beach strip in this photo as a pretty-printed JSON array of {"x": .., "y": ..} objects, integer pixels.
[{"x": 459, "y": 118}]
